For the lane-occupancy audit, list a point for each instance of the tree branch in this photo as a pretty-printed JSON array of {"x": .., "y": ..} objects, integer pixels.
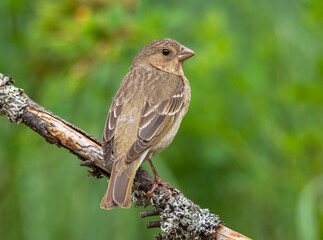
[{"x": 180, "y": 217}]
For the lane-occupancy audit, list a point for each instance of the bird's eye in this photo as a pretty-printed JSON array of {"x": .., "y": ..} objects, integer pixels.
[{"x": 165, "y": 52}]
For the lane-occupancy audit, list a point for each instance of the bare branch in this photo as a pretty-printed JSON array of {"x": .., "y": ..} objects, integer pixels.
[{"x": 180, "y": 217}]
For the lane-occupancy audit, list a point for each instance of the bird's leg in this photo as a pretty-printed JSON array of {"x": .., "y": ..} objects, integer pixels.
[{"x": 158, "y": 180}]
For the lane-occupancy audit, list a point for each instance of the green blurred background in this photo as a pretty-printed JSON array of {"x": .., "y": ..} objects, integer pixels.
[{"x": 250, "y": 147}]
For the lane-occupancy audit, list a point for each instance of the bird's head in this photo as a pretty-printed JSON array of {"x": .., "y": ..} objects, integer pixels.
[{"x": 165, "y": 54}]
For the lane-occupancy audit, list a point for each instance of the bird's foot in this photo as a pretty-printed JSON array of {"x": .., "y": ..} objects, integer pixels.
[
  {"x": 158, "y": 181},
  {"x": 150, "y": 193},
  {"x": 162, "y": 182}
]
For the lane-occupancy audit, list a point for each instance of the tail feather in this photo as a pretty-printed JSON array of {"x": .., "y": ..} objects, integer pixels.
[
  {"x": 120, "y": 186},
  {"x": 107, "y": 202}
]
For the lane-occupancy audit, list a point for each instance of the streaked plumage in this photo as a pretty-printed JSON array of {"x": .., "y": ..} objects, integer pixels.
[{"x": 145, "y": 114}]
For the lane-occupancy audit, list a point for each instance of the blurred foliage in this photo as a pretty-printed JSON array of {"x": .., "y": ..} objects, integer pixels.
[{"x": 250, "y": 147}]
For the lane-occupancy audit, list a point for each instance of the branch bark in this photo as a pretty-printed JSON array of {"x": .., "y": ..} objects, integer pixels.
[{"x": 180, "y": 217}]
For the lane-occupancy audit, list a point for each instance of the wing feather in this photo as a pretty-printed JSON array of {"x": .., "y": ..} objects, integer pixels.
[
  {"x": 154, "y": 123},
  {"x": 113, "y": 118}
]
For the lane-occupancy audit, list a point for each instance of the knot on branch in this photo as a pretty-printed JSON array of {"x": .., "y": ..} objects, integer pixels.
[{"x": 12, "y": 99}]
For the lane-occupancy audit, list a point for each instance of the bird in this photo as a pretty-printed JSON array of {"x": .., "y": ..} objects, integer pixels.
[{"x": 144, "y": 116}]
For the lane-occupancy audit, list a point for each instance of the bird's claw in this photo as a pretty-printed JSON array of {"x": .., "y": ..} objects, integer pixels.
[{"x": 158, "y": 181}]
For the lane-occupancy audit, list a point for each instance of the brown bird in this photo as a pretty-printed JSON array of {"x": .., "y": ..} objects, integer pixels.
[{"x": 144, "y": 116}]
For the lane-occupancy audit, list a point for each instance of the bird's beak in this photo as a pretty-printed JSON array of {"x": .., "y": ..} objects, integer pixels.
[{"x": 185, "y": 54}]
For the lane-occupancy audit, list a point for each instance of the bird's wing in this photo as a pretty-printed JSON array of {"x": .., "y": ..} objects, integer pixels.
[
  {"x": 118, "y": 102},
  {"x": 159, "y": 112}
]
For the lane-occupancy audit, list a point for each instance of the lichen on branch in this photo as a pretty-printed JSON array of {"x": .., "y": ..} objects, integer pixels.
[{"x": 12, "y": 100}]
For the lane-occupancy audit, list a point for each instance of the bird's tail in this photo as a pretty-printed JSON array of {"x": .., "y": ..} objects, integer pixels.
[{"x": 120, "y": 186}]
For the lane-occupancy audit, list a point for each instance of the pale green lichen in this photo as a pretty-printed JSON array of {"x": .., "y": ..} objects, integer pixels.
[
  {"x": 181, "y": 220},
  {"x": 12, "y": 100}
]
